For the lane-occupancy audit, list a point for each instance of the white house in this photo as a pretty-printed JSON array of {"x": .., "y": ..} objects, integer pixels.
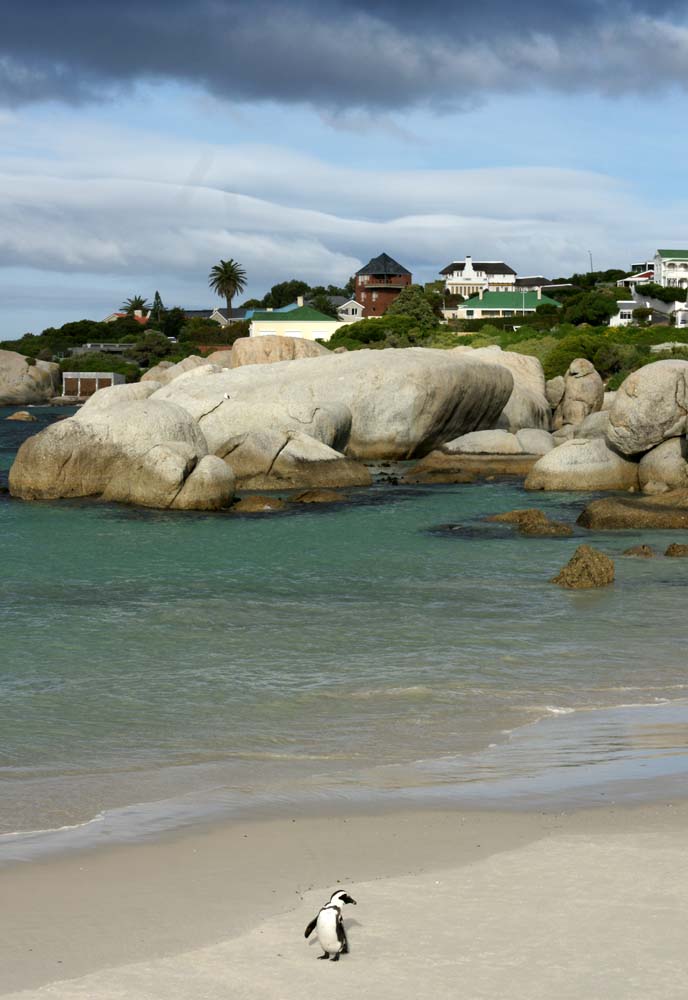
[
  {"x": 468, "y": 277},
  {"x": 671, "y": 268},
  {"x": 624, "y": 317},
  {"x": 497, "y": 305}
]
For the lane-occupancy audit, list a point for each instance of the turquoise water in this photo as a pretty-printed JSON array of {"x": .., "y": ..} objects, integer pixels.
[{"x": 205, "y": 661}]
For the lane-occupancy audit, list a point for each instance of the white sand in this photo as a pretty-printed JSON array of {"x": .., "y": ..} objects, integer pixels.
[{"x": 586, "y": 906}]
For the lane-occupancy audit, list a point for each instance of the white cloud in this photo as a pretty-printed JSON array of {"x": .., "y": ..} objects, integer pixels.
[{"x": 160, "y": 213}]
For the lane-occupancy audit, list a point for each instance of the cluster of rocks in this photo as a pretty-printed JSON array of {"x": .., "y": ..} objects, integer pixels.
[
  {"x": 638, "y": 443},
  {"x": 533, "y": 522},
  {"x": 190, "y": 436},
  {"x": 674, "y": 551}
]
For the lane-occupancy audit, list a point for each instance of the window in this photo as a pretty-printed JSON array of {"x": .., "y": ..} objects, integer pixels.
[{"x": 469, "y": 313}]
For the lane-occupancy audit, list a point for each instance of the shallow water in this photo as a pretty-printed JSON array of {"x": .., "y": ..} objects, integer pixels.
[{"x": 222, "y": 660}]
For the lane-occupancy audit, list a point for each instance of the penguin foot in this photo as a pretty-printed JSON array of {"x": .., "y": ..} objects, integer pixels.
[
  {"x": 323, "y": 958},
  {"x": 335, "y": 958}
]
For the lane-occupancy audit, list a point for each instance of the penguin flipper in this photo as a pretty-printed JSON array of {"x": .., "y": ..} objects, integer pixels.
[
  {"x": 341, "y": 937},
  {"x": 311, "y": 927}
]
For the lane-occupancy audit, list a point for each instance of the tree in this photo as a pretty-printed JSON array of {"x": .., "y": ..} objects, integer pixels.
[
  {"x": 134, "y": 304},
  {"x": 151, "y": 348},
  {"x": 157, "y": 309},
  {"x": 412, "y": 302},
  {"x": 227, "y": 279}
]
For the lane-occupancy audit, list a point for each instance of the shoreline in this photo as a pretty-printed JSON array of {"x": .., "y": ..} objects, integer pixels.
[
  {"x": 227, "y": 904},
  {"x": 568, "y": 758}
]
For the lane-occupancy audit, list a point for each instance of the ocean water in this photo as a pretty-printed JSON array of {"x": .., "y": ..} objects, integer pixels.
[{"x": 160, "y": 667}]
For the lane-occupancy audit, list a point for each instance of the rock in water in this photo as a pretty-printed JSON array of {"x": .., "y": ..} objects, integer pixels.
[
  {"x": 580, "y": 464},
  {"x": 670, "y": 510},
  {"x": 650, "y": 406},
  {"x": 677, "y": 550},
  {"x": 271, "y": 348},
  {"x": 532, "y": 521},
  {"x": 641, "y": 551},
  {"x": 583, "y": 394},
  {"x": 586, "y": 569},
  {"x": 320, "y": 496},
  {"x": 24, "y": 381},
  {"x": 145, "y": 452},
  {"x": 23, "y": 416},
  {"x": 259, "y": 505}
]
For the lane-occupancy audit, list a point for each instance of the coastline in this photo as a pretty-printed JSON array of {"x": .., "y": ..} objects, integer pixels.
[{"x": 488, "y": 903}]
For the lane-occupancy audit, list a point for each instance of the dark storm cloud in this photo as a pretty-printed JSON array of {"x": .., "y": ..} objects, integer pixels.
[{"x": 335, "y": 54}]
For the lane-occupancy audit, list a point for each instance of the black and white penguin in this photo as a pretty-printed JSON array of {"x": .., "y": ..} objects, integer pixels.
[{"x": 329, "y": 926}]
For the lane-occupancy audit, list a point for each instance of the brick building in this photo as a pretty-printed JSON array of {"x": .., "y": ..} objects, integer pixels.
[{"x": 379, "y": 283}]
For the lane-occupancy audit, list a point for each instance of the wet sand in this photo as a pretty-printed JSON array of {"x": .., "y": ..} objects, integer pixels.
[{"x": 455, "y": 902}]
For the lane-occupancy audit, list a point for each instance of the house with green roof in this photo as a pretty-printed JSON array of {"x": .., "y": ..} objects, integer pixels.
[
  {"x": 671, "y": 268},
  {"x": 497, "y": 305},
  {"x": 297, "y": 321}
]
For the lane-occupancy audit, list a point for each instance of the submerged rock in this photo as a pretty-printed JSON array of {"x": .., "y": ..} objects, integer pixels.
[
  {"x": 587, "y": 568},
  {"x": 641, "y": 551},
  {"x": 670, "y": 510},
  {"x": 462, "y": 468},
  {"x": 259, "y": 505},
  {"x": 532, "y": 521},
  {"x": 320, "y": 496},
  {"x": 677, "y": 550},
  {"x": 23, "y": 416}
]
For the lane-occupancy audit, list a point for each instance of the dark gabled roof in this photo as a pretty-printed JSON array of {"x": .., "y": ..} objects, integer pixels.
[
  {"x": 384, "y": 264},
  {"x": 232, "y": 313},
  {"x": 536, "y": 282},
  {"x": 198, "y": 313},
  {"x": 488, "y": 266}
]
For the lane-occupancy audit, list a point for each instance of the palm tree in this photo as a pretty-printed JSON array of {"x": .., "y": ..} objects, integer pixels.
[
  {"x": 135, "y": 303},
  {"x": 227, "y": 279}
]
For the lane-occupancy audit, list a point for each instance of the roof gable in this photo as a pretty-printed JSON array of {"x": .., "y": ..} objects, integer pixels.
[
  {"x": 384, "y": 264},
  {"x": 487, "y": 266}
]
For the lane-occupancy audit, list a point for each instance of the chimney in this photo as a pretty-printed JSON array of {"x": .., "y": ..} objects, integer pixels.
[
  {"x": 480, "y": 293},
  {"x": 539, "y": 291},
  {"x": 269, "y": 309},
  {"x": 299, "y": 300}
]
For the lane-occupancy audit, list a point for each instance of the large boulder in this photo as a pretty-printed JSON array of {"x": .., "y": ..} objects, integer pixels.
[
  {"x": 527, "y": 405},
  {"x": 271, "y": 347},
  {"x": 271, "y": 460},
  {"x": 223, "y": 359},
  {"x": 114, "y": 395},
  {"x": 583, "y": 394},
  {"x": 580, "y": 464},
  {"x": 394, "y": 404},
  {"x": 670, "y": 510},
  {"x": 166, "y": 372},
  {"x": 142, "y": 451},
  {"x": 534, "y": 441},
  {"x": 587, "y": 568},
  {"x": 24, "y": 381},
  {"x": 651, "y": 405},
  {"x": 665, "y": 467}
]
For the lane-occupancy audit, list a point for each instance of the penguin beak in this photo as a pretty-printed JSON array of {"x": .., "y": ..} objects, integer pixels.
[{"x": 349, "y": 899}]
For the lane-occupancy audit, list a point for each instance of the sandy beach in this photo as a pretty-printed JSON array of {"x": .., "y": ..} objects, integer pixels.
[{"x": 450, "y": 903}]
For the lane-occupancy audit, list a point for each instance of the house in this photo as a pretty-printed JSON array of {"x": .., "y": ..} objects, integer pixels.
[
  {"x": 101, "y": 348},
  {"x": 379, "y": 283},
  {"x": 624, "y": 317},
  {"x": 674, "y": 312},
  {"x": 468, "y": 277},
  {"x": 297, "y": 321},
  {"x": 497, "y": 305},
  {"x": 348, "y": 310},
  {"x": 84, "y": 384},
  {"x": 222, "y": 316},
  {"x": 139, "y": 315},
  {"x": 636, "y": 278},
  {"x": 671, "y": 268}
]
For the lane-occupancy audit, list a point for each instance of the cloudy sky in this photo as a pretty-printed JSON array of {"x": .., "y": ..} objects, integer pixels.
[{"x": 143, "y": 140}]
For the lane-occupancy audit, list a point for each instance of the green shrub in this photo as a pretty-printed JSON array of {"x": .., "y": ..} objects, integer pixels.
[{"x": 567, "y": 350}]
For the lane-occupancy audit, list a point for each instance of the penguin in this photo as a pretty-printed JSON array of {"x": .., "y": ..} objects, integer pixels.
[{"x": 329, "y": 927}]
